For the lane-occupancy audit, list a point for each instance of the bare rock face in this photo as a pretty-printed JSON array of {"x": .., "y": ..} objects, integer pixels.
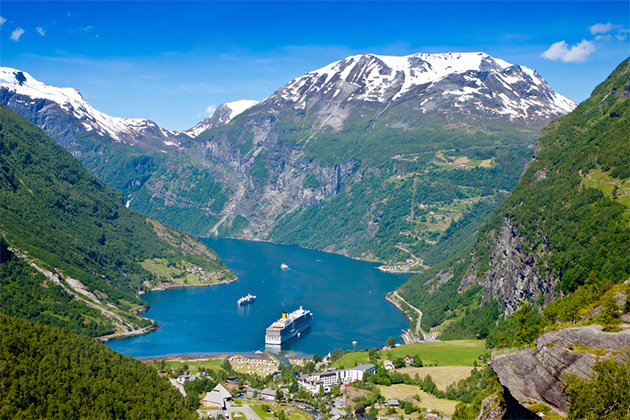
[
  {"x": 514, "y": 275},
  {"x": 491, "y": 409},
  {"x": 535, "y": 375},
  {"x": 504, "y": 407}
]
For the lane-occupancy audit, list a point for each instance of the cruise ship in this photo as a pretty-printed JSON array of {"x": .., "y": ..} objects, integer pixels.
[
  {"x": 246, "y": 299},
  {"x": 288, "y": 326}
]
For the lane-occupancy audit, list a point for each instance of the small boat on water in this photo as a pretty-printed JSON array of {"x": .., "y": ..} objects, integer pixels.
[
  {"x": 284, "y": 266},
  {"x": 245, "y": 300}
]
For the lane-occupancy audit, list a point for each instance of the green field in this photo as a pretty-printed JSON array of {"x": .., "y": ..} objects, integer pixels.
[
  {"x": 352, "y": 359},
  {"x": 262, "y": 414},
  {"x": 445, "y": 353},
  {"x": 193, "y": 365},
  {"x": 294, "y": 413},
  {"x": 611, "y": 187}
]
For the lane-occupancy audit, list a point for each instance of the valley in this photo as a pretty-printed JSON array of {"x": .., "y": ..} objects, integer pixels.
[
  {"x": 457, "y": 189},
  {"x": 361, "y": 157}
]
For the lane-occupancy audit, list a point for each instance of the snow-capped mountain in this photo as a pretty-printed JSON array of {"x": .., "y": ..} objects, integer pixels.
[
  {"x": 221, "y": 116},
  {"x": 459, "y": 82},
  {"x": 64, "y": 114},
  {"x": 311, "y": 145}
]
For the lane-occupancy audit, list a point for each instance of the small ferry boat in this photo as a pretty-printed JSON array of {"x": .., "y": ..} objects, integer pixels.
[
  {"x": 245, "y": 300},
  {"x": 284, "y": 266}
]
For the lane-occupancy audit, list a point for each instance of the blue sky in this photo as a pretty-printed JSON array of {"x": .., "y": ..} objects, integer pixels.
[{"x": 172, "y": 62}]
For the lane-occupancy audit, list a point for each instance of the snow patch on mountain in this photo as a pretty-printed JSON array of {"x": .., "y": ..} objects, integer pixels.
[
  {"x": 238, "y": 107},
  {"x": 70, "y": 100},
  {"x": 385, "y": 79},
  {"x": 221, "y": 116}
]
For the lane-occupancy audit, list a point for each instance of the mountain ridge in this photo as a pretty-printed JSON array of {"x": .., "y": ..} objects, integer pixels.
[
  {"x": 72, "y": 254},
  {"x": 288, "y": 160},
  {"x": 559, "y": 241}
]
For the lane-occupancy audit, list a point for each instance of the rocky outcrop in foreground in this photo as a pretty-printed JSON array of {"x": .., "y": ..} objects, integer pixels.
[{"x": 535, "y": 375}]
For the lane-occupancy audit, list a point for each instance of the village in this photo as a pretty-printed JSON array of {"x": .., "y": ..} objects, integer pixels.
[{"x": 376, "y": 384}]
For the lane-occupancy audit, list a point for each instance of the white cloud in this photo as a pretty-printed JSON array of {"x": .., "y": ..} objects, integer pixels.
[
  {"x": 602, "y": 28},
  {"x": 41, "y": 31},
  {"x": 208, "y": 112},
  {"x": 622, "y": 34},
  {"x": 15, "y": 36},
  {"x": 2, "y": 20},
  {"x": 576, "y": 54},
  {"x": 606, "y": 37}
]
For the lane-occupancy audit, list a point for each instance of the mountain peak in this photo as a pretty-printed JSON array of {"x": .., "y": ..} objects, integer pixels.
[
  {"x": 24, "y": 90},
  {"x": 221, "y": 116},
  {"x": 466, "y": 78}
]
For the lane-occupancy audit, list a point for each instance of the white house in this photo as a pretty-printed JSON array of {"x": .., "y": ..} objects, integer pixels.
[
  {"x": 356, "y": 373},
  {"x": 268, "y": 394}
]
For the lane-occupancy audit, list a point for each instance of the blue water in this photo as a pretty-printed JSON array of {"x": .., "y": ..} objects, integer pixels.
[{"x": 346, "y": 297}]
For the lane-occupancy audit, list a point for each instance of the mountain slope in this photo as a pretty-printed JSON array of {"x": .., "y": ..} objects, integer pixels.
[
  {"x": 49, "y": 373},
  {"x": 64, "y": 231},
  {"x": 560, "y": 241},
  {"x": 398, "y": 156},
  {"x": 72, "y": 116},
  {"x": 221, "y": 116},
  {"x": 466, "y": 81}
]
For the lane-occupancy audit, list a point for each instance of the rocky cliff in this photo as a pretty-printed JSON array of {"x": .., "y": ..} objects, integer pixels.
[
  {"x": 536, "y": 375},
  {"x": 514, "y": 273}
]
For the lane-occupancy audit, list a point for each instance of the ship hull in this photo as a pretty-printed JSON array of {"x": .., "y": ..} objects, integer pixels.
[
  {"x": 246, "y": 302},
  {"x": 276, "y": 336}
]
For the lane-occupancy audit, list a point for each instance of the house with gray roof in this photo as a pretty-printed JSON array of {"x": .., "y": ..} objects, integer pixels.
[{"x": 217, "y": 398}]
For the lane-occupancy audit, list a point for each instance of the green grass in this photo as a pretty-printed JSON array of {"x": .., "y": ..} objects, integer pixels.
[
  {"x": 349, "y": 360},
  {"x": 193, "y": 366},
  {"x": 605, "y": 183},
  {"x": 446, "y": 353},
  {"x": 159, "y": 267},
  {"x": 263, "y": 414},
  {"x": 580, "y": 348}
]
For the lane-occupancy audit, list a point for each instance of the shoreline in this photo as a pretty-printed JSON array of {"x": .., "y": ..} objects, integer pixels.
[
  {"x": 174, "y": 286},
  {"x": 399, "y": 307},
  {"x": 151, "y": 328},
  {"x": 202, "y": 357},
  {"x": 132, "y": 333},
  {"x": 383, "y": 267}
]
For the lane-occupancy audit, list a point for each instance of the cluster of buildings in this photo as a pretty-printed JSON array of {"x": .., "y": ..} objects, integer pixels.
[
  {"x": 205, "y": 276},
  {"x": 389, "y": 365},
  {"x": 327, "y": 379}
]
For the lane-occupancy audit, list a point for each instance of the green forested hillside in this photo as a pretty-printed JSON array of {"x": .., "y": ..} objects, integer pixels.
[
  {"x": 423, "y": 203},
  {"x": 57, "y": 216},
  {"x": 48, "y": 373},
  {"x": 570, "y": 209}
]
